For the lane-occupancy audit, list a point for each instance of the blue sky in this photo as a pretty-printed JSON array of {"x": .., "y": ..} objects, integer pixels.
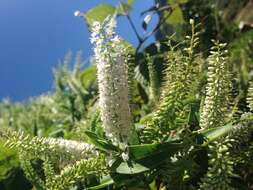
[{"x": 35, "y": 34}]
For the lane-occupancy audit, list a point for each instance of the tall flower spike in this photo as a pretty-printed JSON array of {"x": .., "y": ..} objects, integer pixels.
[
  {"x": 112, "y": 81},
  {"x": 250, "y": 96},
  {"x": 216, "y": 104},
  {"x": 215, "y": 113},
  {"x": 180, "y": 87}
]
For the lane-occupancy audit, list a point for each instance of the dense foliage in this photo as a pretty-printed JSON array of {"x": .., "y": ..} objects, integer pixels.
[{"x": 176, "y": 114}]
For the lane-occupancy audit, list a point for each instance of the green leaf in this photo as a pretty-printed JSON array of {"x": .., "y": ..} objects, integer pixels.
[
  {"x": 144, "y": 150},
  {"x": 119, "y": 180},
  {"x": 153, "y": 185},
  {"x": 212, "y": 134},
  {"x": 176, "y": 17},
  {"x": 148, "y": 156},
  {"x": 193, "y": 117},
  {"x": 183, "y": 1},
  {"x": 133, "y": 168},
  {"x": 100, "y": 143},
  {"x": 102, "y": 11},
  {"x": 177, "y": 1},
  {"x": 89, "y": 79},
  {"x": 104, "y": 183},
  {"x": 125, "y": 7},
  {"x": 99, "y": 13}
]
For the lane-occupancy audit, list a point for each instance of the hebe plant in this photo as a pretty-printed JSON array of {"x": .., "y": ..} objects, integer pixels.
[{"x": 188, "y": 141}]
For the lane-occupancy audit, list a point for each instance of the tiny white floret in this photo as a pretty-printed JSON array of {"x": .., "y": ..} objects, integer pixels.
[{"x": 77, "y": 13}]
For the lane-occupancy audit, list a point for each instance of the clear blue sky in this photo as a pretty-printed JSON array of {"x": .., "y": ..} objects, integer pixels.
[{"x": 34, "y": 34}]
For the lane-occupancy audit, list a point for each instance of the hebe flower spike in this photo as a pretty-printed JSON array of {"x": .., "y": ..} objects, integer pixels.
[{"x": 110, "y": 57}]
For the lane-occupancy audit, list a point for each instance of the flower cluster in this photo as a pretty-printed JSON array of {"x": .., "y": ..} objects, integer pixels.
[
  {"x": 250, "y": 96},
  {"x": 216, "y": 103},
  {"x": 76, "y": 149},
  {"x": 110, "y": 57},
  {"x": 65, "y": 151}
]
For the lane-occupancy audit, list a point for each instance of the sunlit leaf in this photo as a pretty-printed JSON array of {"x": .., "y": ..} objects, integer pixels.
[
  {"x": 125, "y": 7},
  {"x": 147, "y": 156},
  {"x": 176, "y": 17},
  {"x": 101, "y": 144},
  {"x": 177, "y": 1},
  {"x": 99, "y": 13}
]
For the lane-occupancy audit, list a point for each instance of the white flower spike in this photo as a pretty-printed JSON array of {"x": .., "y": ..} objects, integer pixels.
[{"x": 110, "y": 57}]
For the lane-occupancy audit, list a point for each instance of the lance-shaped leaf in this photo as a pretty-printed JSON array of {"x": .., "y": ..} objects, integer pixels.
[
  {"x": 100, "y": 143},
  {"x": 119, "y": 180},
  {"x": 210, "y": 135},
  {"x": 148, "y": 156},
  {"x": 104, "y": 183}
]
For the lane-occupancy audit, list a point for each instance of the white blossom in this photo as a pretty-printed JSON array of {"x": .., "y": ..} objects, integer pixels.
[
  {"x": 78, "y": 13},
  {"x": 75, "y": 148},
  {"x": 112, "y": 81},
  {"x": 191, "y": 21},
  {"x": 125, "y": 156}
]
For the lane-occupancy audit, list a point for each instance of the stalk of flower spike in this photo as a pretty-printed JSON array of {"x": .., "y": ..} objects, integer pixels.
[{"x": 110, "y": 58}]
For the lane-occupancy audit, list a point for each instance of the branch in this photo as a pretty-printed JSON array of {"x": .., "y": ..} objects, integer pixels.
[{"x": 131, "y": 22}]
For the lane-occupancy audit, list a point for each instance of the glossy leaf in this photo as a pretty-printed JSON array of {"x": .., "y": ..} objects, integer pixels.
[
  {"x": 99, "y": 143},
  {"x": 102, "y": 11},
  {"x": 99, "y": 13},
  {"x": 133, "y": 168},
  {"x": 210, "y": 135},
  {"x": 144, "y": 150},
  {"x": 147, "y": 156},
  {"x": 104, "y": 183}
]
